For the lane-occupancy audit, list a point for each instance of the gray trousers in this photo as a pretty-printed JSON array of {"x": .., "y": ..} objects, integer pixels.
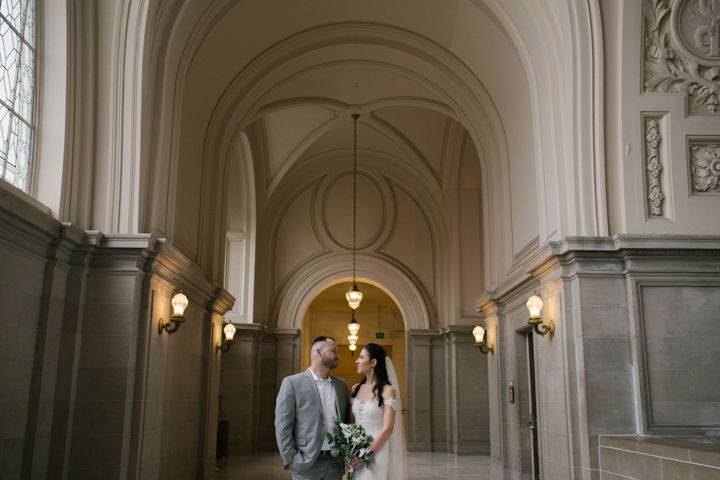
[{"x": 324, "y": 468}]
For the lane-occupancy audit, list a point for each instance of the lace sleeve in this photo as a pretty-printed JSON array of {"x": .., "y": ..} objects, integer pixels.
[{"x": 391, "y": 403}]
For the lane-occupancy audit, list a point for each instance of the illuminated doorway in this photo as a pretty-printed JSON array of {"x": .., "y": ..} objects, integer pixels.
[{"x": 380, "y": 322}]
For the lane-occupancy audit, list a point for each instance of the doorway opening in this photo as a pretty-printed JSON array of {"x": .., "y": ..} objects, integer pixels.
[
  {"x": 380, "y": 322},
  {"x": 527, "y": 399}
]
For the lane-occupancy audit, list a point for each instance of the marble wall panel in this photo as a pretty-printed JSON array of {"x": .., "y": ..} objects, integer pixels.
[
  {"x": 419, "y": 386},
  {"x": 26, "y": 374},
  {"x": 681, "y": 344},
  {"x": 238, "y": 392},
  {"x": 650, "y": 458}
]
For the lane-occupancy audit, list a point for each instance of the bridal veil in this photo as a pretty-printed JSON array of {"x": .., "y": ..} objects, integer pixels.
[{"x": 396, "y": 470}]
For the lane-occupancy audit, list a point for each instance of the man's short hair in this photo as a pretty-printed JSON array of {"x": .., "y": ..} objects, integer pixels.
[{"x": 320, "y": 339}]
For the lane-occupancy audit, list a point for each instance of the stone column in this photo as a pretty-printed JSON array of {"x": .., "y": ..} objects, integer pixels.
[
  {"x": 251, "y": 374},
  {"x": 419, "y": 388},
  {"x": 468, "y": 406},
  {"x": 239, "y": 387}
]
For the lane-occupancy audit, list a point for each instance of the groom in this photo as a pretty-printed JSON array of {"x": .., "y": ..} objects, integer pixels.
[{"x": 305, "y": 410}]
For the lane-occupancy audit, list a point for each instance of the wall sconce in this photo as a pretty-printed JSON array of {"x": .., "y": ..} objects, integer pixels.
[
  {"x": 179, "y": 304},
  {"x": 480, "y": 340},
  {"x": 535, "y": 305},
  {"x": 229, "y": 334}
]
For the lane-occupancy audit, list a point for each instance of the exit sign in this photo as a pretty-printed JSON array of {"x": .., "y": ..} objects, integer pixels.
[{"x": 380, "y": 335}]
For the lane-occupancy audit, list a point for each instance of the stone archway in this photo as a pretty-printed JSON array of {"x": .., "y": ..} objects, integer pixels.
[{"x": 320, "y": 273}]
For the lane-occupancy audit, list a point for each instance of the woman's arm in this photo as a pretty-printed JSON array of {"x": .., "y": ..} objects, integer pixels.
[
  {"x": 388, "y": 421},
  {"x": 350, "y": 416}
]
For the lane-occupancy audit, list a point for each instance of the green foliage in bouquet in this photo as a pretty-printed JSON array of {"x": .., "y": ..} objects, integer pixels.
[{"x": 351, "y": 441}]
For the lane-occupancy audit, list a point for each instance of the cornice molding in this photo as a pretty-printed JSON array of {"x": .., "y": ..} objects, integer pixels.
[{"x": 616, "y": 255}]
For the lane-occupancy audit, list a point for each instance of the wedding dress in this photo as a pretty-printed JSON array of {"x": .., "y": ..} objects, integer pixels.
[{"x": 389, "y": 462}]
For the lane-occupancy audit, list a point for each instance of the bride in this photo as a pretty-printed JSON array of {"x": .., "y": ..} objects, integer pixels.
[{"x": 376, "y": 406}]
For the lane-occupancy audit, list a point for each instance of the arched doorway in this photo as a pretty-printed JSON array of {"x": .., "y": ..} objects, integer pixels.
[{"x": 380, "y": 322}]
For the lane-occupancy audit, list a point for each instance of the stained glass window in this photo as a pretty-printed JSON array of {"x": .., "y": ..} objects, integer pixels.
[{"x": 17, "y": 90}]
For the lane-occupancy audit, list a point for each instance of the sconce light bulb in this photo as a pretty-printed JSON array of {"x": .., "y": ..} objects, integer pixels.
[
  {"x": 479, "y": 334},
  {"x": 534, "y": 306},
  {"x": 352, "y": 338},
  {"x": 352, "y": 347},
  {"x": 229, "y": 331},
  {"x": 179, "y": 304}
]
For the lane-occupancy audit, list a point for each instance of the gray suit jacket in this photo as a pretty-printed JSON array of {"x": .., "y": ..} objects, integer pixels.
[{"x": 299, "y": 419}]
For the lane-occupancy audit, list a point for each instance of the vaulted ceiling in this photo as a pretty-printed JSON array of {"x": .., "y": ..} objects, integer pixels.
[{"x": 417, "y": 139}]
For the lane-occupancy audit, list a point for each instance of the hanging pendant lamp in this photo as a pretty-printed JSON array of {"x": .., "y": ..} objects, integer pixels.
[
  {"x": 353, "y": 328},
  {"x": 354, "y": 295}
]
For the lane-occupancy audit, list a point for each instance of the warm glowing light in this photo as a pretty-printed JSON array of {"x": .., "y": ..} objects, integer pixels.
[
  {"x": 353, "y": 338},
  {"x": 229, "y": 331},
  {"x": 179, "y": 304},
  {"x": 352, "y": 347},
  {"x": 353, "y": 328},
  {"x": 354, "y": 297},
  {"x": 479, "y": 334},
  {"x": 535, "y": 305}
]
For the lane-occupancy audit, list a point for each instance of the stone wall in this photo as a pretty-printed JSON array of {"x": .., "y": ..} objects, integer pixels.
[
  {"x": 647, "y": 458},
  {"x": 251, "y": 373},
  {"x": 630, "y": 313},
  {"x": 447, "y": 399},
  {"x": 92, "y": 389}
]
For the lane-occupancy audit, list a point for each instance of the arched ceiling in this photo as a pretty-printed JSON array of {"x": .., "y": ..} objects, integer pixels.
[
  {"x": 416, "y": 136},
  {"x": 241, "y": 61},
  {"x": 416, "y": 70}
]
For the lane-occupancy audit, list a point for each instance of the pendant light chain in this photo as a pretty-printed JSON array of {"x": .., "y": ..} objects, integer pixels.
[
  {"x": 355, "y": 119},
  {"x": 354, "y": 295}
]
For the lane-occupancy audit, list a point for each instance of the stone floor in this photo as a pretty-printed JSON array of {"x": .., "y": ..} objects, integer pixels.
[{"x": 421, "y": 466}]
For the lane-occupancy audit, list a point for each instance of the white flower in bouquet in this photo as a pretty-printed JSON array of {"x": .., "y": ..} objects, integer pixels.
[{"x": 351, "y": 441}]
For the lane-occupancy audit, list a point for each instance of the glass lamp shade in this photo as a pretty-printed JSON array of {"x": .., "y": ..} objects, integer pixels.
[
  {"x": 353, "y": 327},
  {"x": 352, "y": 338},
  {"x": 179, "y": 304},
  {"x": 352, "y": 347},
  {"x": 479, "y": 334},
  {"x": 354, "y": 297},
  {"x": 229, "y": 331},
  {"x": 534, "y": 306}
]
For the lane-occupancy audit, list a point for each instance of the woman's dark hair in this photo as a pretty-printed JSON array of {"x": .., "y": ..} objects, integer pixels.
[{"x": 377, "y": 353}]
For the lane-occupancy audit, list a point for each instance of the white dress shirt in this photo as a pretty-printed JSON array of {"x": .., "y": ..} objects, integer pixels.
[{"x": 328, "y": 397}]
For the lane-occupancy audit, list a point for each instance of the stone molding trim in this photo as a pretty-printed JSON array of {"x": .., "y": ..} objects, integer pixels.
[
  {"x": 675, "y": 64},
  {"x": 305, "y": 284},
  {"x": 654, "y": 166},
  {"x": 323, "y": 228},
  {"x": 27, "y": 225},
  {"x": 704, "y": 156},
  {"x": 626, "y": 247}
]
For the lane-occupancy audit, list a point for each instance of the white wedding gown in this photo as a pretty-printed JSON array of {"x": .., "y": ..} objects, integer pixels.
[{"x": 388, "y": 463}]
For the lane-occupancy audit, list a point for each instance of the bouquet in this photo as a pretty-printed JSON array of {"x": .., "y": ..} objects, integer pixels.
[{"x": 350, "y": 441}]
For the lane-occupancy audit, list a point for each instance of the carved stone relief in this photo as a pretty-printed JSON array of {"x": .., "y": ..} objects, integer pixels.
[
  {"x": 654, "y": 166},
  {"x": 682, "y": 51},
  {"x": 705, "y": 165}
]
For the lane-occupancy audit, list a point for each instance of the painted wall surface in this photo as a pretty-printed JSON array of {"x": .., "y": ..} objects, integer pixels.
[{"x": 662, "y": 127}]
